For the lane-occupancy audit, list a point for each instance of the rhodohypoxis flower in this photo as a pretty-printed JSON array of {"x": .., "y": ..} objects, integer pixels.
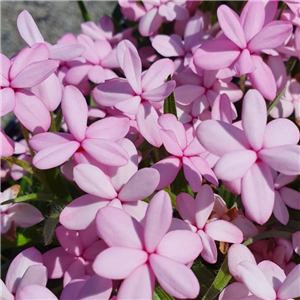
[
  {"x": 132, "y": 96},
  {"x": 185, "y": 149},
  {"x": 26, "y": 278},
  {"x": 30, "y": 67},
  {"x": 31, "y": 35},
  {"x": 96, "y": 141},
  {"x": 147, "y": 252},
  {"x": 197, "y": 212},
  {"x": 17, "y": 214},
  {"x": 7, "y": 144},
  {"x": 158, "y": 11},
  {"x": 122, "y": 187},
  {"x": 243, "y": 39},
  {"x": 251, "y": 153},
  {"x": 75, "y": 256}
]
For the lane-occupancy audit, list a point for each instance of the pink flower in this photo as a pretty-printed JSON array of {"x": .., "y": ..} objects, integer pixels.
[
  {"x": 197, "y": 212},
  {"x": 7, "y": 145},
  {"x": 243, "y": 38},
  {"x": 147, "y": 252},
  {"x": 29, "y": 68},
  {"x": 185, "y": 149},
  {"x": 249, "y": 154},
  {"x": 96, "y": 141}
]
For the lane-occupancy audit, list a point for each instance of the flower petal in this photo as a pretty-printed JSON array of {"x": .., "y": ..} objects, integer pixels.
[
  {"x": 290, "y": 286},
  {"x": 35, "y": 292}
]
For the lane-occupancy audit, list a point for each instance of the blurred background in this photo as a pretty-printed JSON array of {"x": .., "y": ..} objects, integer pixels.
[{"x": 54, "y": 18}]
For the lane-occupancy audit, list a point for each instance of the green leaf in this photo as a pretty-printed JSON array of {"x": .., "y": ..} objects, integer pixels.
[
  {"x": 30, "y": 197},
  {"x": 84, "y": 12},
  {"x": 49, "y": 228},
  {"x": 160, "y": 294},
  {"x": 220, "y": 282},
  {"x": 169, "y": 104},
  {"x": 268, "y": 234},
  {"x": 58, "y": 119}
]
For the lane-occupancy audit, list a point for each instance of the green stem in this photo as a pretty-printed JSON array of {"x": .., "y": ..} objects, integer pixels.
[
  {"x": 283, "y": 6},
  {"x": 53, "y": 125},
  {"x": 21, "y": 163},
  {"x": 242, "y": 82},
  {"x": 30, "y": 197},
  {"x": 84, "y": 12},
  {"x": 268, "y": 234},
  {"x": 26, "y": 137},
  {"x": 274, "y": 103}
]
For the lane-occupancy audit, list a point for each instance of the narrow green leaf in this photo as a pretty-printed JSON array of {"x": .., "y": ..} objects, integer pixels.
[
  {"x": 49, "y": 228},
  {"x": 30, "y": 197},
  {"x": 169, "y": 104},
  {"x": 160, "y": 294},
  {"x": 84, "y": 12},
  {"x": 268, "y": 234},
  {"x": 58, "y": 119},
  {"x": 220, "y": 282}
]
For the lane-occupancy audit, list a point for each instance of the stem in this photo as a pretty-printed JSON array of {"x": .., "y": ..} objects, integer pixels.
[
  {"x": 53, "y": 125},
  {"x": 274, "y": 103},
  {"x": 21, "y": 163},
  {"x": 268, "y": 234},
  {"x": 242, "y": 82},
  {"x": 84, "y": 12},
  {"x": 283, "y": 6},
  {"x": 26, "y": 137}
]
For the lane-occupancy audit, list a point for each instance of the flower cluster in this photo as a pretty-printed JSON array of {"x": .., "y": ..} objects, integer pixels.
[{"x": 146, "y": 153}]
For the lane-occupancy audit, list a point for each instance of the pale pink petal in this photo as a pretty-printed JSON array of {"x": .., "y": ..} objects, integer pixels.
[
  {"x": 140, "y": 186},
  {"x": 111, "y": 128},
  {"x": 209, "y": 252},
  {"x": 106, "y": 152},
  {"x": 186, "y": 94},
  {"x": 192, "y": 174},
  {"x": 49, "y": 139},
  {"x": 246, "y": 226},
  {"x": 236, "y": 291},
  {"x": 186, "y": 207},
  {"x": 49, "y": 91},
  {"x": 280, "y": 211},
  {"x": 72, "y": 289},
  {"x": 132, "y": 68},
  {"x": 36, "y": 292},
  {"x": 280, "y": 132},
  {"x": 5, "y": 293},
  {"x": 57, "y": 261},
  {"x": 65, "y": 52},
  {"x": 117, "y": 228},
  {"x": 284, "y": 159},
  {"x": 136, "y": 209},
  {"x": 25, "y": 214},
  {"x": 282, "y": 109},
  {"x": 7, "y": 145},
  {"x": 296, "y": 241},
  {"x": 28, "y": 29},
  {"x": 112, "y": 91},
  {"x": 290, "y": 197},
  {"x": 220, "y": 138},
  {"x": 107, "y": 263},
  {"x": 238, "y": 253},
  {"x": 7, "y": 97},
  {"x": 75, "y": 111},
  {"x": 147, "y": 124},
  {"x": 271, "y": 36},
  {"x": 252, "y": 18},
  {"x": 96, "y": 74},
  {"x": 150, "y": 22},
  {"x": 273, "y": 273},
  {"x": 216, "y": 54},
  {"x": 255, "y": 280},
  {"x": 19, "y": 265},
  {"x": 290, "y": 286},
  {"x": 254, "y": 118},
  {"x": 93, "y": 181},
  {"x": 170, "y": 142},
  {"x": 157, "y": 74},
  {"x": 90, "y": 53},
  {"x": 168, "y": 169},
  {"x": 168, "y": 46},
  {"x": 35, "y": 274},
  {"x": 244, "y": 63},
  {"x": 160, "y": 93},
  {"x": 263, "y": 79},
  {"x": 278, "y": 68},
  {"x": 130, "y": 106},
  {"x": 28, "y": 55},
  {"x": 175, "y": 278},
  {"x": 36, "y": 120},
  {"x": 231, "y": 26},
  {"x": 224, "y": 231},
  {"x": 180, "y": 245},
  {"x": 234, "y": 165},
  {"x": 258, "y": 193},
  {"x": 95, "y": 288},
  {"x": 81, "y": 212},
  {"x": 138, "y": 285},
  {"x": 78, "y": 74},
  {"x": 92, "y": 30},
  {"x": 283, "y": 180},
  {"x": 157, "y": 220},
  {"x": 75, "y": 270},
  {"x": 54, "y": 156},
  {"x": 204, "y": 204}
]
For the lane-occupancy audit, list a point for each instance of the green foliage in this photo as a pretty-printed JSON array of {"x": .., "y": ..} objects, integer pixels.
[{"x": 169, "y": 104}]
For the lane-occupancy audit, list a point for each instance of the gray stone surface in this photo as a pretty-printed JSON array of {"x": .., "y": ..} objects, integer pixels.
[{"x": 54, "y": 18}]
